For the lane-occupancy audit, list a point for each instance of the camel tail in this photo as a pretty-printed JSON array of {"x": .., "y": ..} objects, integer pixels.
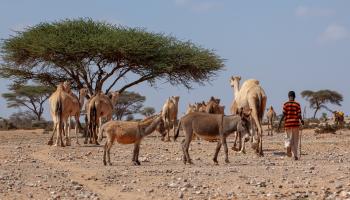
[
  {"x": 58, "y": 111},
  {"x": 177, "y": 130},
  {"x": 262, "y": 106}
]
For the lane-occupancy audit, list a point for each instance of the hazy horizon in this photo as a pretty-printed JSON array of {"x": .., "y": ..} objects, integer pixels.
[{"x": 289, "y": 45}]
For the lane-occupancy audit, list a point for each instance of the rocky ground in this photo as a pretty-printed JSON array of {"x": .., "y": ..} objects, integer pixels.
[{"x": 31, "y": 169}]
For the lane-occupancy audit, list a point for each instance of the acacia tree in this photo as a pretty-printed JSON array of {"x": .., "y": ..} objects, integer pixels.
[
  {"x": 319, "y": 99},
  {"x": 128, "y": 103},
  {"x": 31, "y": 97},
  {"x": 98, "y": 55}
]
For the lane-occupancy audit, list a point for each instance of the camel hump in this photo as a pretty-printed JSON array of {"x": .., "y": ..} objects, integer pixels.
[{"x": 252, "y": 81}]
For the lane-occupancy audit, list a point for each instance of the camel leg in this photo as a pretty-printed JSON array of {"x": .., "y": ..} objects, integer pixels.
[
  {"x": 67, "y": 129},
  {"x": 86, "y": 130},
  {"x": 76, "y": 128},
  {"x": 183, "y": 151},
  {"x": 136, "y": 151},
  {"x": 50, "y": 142},
  {"x": 224, "y": 143},
  {"x": 217, "y": 149},
  {"x": 60, "y": 134}
]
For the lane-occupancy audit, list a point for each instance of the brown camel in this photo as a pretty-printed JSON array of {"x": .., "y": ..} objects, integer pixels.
[
  {"x": 127, "y": 132},
  {"x": 271, "y": 116},
  {"x": 191, "y": 108},
  {"x": 213, "y": 106},
  {"x": 338, "y": 117},
  {"x": 169, "y": 114},
  {"x": 252, "y": 96},
  {"x": 99, "y": 106},
  {"x": 212, "y": 127}
]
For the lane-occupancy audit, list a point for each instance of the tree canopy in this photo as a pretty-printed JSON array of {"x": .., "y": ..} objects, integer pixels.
[
  {"x": 319, "y": 99},
  {"x": 32, "y": 97},
  {"x": 90, "y": 52},
  {"x": 147, "y": 111}
]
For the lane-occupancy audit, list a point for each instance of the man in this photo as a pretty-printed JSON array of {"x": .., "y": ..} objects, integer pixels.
[{"x": 292, "y": 119}]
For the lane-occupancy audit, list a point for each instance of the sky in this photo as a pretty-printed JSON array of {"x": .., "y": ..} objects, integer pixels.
[{"x": 286, "y": 45}]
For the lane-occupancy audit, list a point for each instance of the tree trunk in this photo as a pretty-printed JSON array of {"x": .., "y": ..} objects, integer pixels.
[{"x": 316, "y": 110}]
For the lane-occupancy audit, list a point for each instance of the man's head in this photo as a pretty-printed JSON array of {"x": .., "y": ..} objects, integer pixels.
[{"x": 291, "y": 95}]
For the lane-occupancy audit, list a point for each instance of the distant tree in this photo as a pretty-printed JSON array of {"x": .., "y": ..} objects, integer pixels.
[
  {"x": 100, "y": 56},
  {"x": 320, "y": 98},
  {"x": 22, "y": 119},
  {"x": 147, "y": 111},
  {"x": 128, "y": 103},
  {"x": 32, "y": 97}
]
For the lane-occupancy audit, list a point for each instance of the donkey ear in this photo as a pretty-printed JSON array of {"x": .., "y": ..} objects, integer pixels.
[{"x": 240, "y": 112}]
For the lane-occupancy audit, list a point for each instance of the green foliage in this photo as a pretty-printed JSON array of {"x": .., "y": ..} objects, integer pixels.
[
  {"x": 128, "y": 103},
  {"x": 147, "y": 111},
  {"x": 319, "y": 98},
  {"x": 31, "y": 97},
  {"x": 90, "y": 52}
]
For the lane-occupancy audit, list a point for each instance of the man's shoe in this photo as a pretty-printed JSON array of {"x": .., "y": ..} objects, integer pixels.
[{"x": 296, "y": 158}]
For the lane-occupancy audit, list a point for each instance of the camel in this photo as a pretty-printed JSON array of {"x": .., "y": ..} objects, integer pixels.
[
  {"x": 169, "y": 114},
  {"x": 57, "y": 102},
  {"x": 250, "y": 95},
  {"x": 271, "y": 116},
  {"x": 212, "y": 127},
  {"x": 77, "y": 104},
  {"x": 99, "y": 106},
  {"x": 213, "y": 106},
  {"x": 338, "y": 117},
  {"x": 191, "y": 108},
  {"x": 127, "y": 132}
]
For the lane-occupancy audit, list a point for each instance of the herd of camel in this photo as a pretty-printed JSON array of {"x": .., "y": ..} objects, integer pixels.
[{"x": 204, "y": 120}]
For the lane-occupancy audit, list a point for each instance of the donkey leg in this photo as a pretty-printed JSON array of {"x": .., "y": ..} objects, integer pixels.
[
  {"x": 135, "y": 153},
  {"x": 217, "y": 149},
  {"x": 224, "y": 143}
]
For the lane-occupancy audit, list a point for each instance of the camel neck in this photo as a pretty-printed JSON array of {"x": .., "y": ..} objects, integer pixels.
[{"x": 235, "y": 89}]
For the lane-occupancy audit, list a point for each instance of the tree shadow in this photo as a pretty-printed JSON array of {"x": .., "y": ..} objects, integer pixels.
[{"x": 279, "y": 153}]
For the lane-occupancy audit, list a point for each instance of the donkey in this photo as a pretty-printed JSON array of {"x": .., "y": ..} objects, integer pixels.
[{"x": 211, "y": 127}]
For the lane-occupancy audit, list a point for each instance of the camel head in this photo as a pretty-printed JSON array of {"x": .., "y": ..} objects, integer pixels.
[
  {"x": 216, "y": 100},
  {"x": 114, "y": 96},
  {"x": 83, "y": 92},
  {"x": 191, "y": 108},
  {"x": 67, "y": 86},
  {"x": 175, "y": 99},
  {"x": 234, "y": 81}
]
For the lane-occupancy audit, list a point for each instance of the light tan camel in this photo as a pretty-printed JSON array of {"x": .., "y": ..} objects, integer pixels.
[
  {"x": 58, "y": 102},
  {"x": 77, "y": 104},
  {"x": 212, "y": 127},
  {"x": 169, "y": 114},
  {"x": 250, "y": 95},
  {"x": 99, "y": 106},
  {"x": 127, "y": 132},
  {"x": 191, "y": 108},
  {"x": 271, "y": 116}
]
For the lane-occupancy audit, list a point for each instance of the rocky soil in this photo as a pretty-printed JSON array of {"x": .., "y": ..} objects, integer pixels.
[{"x": 30, "y": 169}]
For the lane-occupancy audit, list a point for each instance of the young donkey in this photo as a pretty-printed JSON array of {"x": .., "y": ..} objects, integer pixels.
[
  {"x": 126, "y": 132},
  {"x": 211, "y": 127}
]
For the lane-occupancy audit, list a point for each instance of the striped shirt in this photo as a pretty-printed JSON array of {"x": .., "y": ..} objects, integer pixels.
[{"x": 292, "y": 114}]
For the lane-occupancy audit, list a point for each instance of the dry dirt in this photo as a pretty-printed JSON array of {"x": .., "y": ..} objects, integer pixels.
[{"x": 31, "y": 169}]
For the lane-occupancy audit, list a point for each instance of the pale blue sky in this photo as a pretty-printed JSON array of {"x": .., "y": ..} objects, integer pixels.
[{"x": 287, "y": 45}]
